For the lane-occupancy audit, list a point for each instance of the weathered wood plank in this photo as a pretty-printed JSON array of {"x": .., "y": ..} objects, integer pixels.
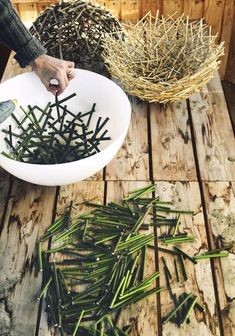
[
  {"x": 132, "y": 160},
  {"x": 226, "y": 33},
  {"x": 32, "y": 1},
  {"x": 114, "y": 6},
  {"x": 230, "y": 71},
  {"x": 130, "y": 10},
  {"x": 12, "y": 69},
  {"x": 92, "y": 191},
  {"x": 28, "y": 214},
  {"x": 213, "y": 13},
  {"x": 220, "y": 207},
  {"x": 41, "y": 7},
  {"x": 193, "y": 8},
  {"x": 172, "y": 152},
  {"x": 215, "y": 142},
  {"x": 214, "y": 84},
  {"x": 186, "y": 196},
  {"x": 142, "y": 316},
  {"x": 170, "y": 7},
  {"x": 15, "y": 6},
  {"x": 28, "y": 13},
  {"x": 151, "y": 5},
  {"x": 229, "y": 90},
  {"x": 83, "y": 191}
]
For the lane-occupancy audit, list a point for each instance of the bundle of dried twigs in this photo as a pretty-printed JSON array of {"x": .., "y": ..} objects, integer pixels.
[
  {"x": 72, "y": 30},
  {"x": 163, "y": 59}
]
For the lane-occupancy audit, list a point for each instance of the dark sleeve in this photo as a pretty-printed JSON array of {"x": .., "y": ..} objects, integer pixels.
[{"x": 16, "y": 36}]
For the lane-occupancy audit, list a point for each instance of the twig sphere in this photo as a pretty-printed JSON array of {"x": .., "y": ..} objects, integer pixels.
[{"x": 72, "y": 30}]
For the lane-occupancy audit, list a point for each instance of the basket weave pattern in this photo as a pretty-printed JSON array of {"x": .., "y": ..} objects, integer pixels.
[{"x": 163, "y": 59}]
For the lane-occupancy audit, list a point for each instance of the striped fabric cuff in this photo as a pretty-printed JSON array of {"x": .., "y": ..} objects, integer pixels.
[{"x": 29, "y": 52}]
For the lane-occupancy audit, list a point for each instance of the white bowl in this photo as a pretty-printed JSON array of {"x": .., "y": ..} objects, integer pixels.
[{"x": 111, "y": 101}]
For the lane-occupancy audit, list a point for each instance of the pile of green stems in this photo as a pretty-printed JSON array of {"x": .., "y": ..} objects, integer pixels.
[
  {"x": 97, "y": 263},
  {"x": 54, "y": 134}
]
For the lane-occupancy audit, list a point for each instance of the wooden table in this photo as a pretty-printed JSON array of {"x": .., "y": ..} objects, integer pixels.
[{"x": 188, "y": 149}]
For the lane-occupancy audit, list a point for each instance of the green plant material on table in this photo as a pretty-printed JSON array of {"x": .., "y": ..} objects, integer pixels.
[{"x": 97, "y": 266}]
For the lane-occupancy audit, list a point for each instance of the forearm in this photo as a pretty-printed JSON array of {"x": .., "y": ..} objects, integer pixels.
[{"x": 15, "y": 35}]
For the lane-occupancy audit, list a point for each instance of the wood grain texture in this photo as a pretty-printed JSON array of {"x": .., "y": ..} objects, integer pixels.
[
  {"x": 132, "y": 160},
  {"x": 142, "y": 316},
  {"x": 130, "y": 10},
  {"x": 12, "y": 69},
  {"x": 226, "y": 33},
  {"x": 28, "y": 214},
  {"x": 114, "y": 6},
  {"x": 170, "y": 7},
  {"x": 229, "y": 90},
  {"x": 215, "y": 142},
  {"x": 28, "y": 13},
  {"x": 220, "y": 205},
  {"x": 186, "y": 196},
  {"x": 172, "y": 152},
  {"x": 92, "y": 191},
  {"x": 151, "y": 5},
  {"x": 41, "y": 7},
  {"x": 33, "y": 1},
  {"x": 193, "y": 8},
  {"x": 83, "y": 191},
  {"x": 214, "y": 85},
  {"x": 230, "y": 70},
  {"x": 15, "y": 6},
  {"x": 213, "y": 14}
]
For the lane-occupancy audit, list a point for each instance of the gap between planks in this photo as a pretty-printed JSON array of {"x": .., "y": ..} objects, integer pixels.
[
  {"x": 220, "y": 208},
  {"x": 207, "y": 228},
  {"x": 186, "y": 196}
]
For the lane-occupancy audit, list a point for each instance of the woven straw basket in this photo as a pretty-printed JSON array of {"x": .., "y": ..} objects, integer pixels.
[{"x": 163, "y": 59}]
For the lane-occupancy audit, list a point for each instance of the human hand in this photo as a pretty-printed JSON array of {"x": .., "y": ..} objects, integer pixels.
[{"x": 48, "y": 68}]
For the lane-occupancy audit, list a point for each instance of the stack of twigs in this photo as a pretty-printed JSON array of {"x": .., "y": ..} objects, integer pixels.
[
  {"x": 163, "y": 59},
  {"x": 72, "y": 30},
  {"x": 54, "y": 134},
  {"x": 96, "y": 265}
]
